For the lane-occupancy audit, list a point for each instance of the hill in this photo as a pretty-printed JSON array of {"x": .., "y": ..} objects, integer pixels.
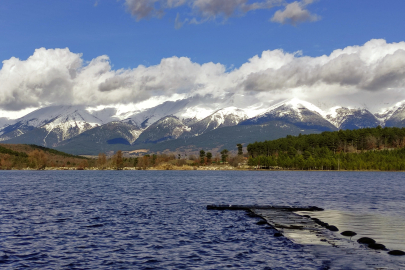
[{"x": 20, "y": 156}]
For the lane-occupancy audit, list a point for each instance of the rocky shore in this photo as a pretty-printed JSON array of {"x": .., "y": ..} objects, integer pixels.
[{"x": 167, "y": 167}]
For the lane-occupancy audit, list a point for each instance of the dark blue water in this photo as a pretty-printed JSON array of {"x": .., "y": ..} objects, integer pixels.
[{"x": 158, "y": 219}]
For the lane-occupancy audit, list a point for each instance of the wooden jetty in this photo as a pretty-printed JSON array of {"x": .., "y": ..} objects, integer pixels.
[
  {"x": 296, "y": 224},
  {"x": 263, "y": 207}
]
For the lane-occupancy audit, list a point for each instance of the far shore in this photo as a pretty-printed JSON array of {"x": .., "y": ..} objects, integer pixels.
[{"x": 185, "y": 168}]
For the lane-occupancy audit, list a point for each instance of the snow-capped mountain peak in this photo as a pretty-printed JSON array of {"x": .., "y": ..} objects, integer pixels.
[
  {"x": 65, "y": 121},
  {"x": 386, "y": 113},
  {"x": 294, "y": 111},
  {"x": 293, "y": 108},
  {"x": 349, "y": 118}
]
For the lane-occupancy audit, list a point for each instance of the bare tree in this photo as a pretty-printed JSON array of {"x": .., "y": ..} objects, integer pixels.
[
  {"x": 38, "y": 159},
  {"x": 101, "y": 161}
]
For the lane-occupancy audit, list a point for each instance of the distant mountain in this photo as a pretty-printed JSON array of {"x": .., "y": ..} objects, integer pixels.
[
  {"x": 226, "y": 117},
  {"x": 188, "y": 111},
  {"x": 183, "y": 122},
  {"x": 167, "y": 128},
  {"x": 228, "y": 137},
  {"x": 4, "y": 121},
  {"x": 345, "y": 118},
  {"x": 294, "y": 111},
  {"x": 397, "y": 116},
  {"x": 49, "y": 126},
  {"x": 214, "y": 141},
  {"x": 112, "y": 136}
]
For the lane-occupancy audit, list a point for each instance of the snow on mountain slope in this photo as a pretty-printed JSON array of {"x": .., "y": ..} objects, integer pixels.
[
  {"x": 99, "y": 138},
  {"x": 395, "y": 116},
  {"x": 167, "y": 128},
  {"x": 347, "y": 118},
  {"x": 65, "y": 121},
  {"x": 189, "y": 110},
  {"x": 298, "y": 112},
  {"x": 226, "y": 117},
  {"x": 183, "y": 118},
  {"x": 385, "y": 114}
]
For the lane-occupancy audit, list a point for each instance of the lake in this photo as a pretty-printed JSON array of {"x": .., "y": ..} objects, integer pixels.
[{"x": 158, "y": 219}]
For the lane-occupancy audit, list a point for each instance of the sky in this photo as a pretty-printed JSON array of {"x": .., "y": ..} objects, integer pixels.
[{"x": 103, "y": 52}]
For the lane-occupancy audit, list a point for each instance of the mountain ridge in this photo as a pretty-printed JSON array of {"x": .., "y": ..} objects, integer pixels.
[{"x": 55, "y": 125}]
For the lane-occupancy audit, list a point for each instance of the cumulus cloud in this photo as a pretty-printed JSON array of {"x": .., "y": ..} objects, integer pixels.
[
  {"x": 375, "y": 66},
  {"x": 204, "y": 9},
  {"x": 295, "y": 13},
  {"x": 59, "y": 76}
]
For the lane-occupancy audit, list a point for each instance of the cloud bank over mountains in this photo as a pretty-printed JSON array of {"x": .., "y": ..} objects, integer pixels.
[
  {"x": 61, "y": 77},
  {"x": 204, "y": 10}
]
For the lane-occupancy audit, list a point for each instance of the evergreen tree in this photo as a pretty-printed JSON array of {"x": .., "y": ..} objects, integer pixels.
[
  {"x": 224, "y": 155},
  {"x": 202, "y": 156},
  {"x": 240, "y": 149},
  {"x": 209, "y": 157}
]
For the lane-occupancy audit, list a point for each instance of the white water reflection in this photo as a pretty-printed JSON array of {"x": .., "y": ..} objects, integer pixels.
[{"x": 386, "y": 230}]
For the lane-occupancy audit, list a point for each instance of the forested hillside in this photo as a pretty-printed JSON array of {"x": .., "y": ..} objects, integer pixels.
[
  {"x": 19, "y": 156},
  {"x": 362, "y": 149}
]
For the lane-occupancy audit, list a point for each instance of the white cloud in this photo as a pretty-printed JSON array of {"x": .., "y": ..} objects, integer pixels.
[
  {"x": 204, "y": 9},
  {"x": 375, "y": 66},
  {"x": 295, "y": 13},
  {"x": 58, "y": 76}
]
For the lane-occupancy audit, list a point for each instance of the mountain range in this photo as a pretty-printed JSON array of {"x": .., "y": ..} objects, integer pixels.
[{"x": 185, "y": 125}]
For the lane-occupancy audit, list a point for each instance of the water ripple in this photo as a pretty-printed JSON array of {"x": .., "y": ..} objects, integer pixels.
[{"x": 158, "y": 220}]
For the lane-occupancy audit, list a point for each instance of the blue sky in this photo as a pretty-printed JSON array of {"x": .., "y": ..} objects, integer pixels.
[
  {"x": 101, "y": 52},
  {"x": 109, "y": 29}
]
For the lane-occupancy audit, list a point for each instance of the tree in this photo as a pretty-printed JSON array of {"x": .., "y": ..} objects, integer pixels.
[
  {"x": 135, "y": 161},
  {"x": 224, "y": 155},
  {"x": 291, "y": 152},
  {"x": 38, "y": 159},
  {"x": 154, "y": 157},
  {"x": 101, "y": 161},
  {"x": 209, "y": 157},
  {"x": 202, "y": 156},
  {"x": 118, "y": 161},
  {"x": 6, "y": 162},
  {"x": 83, "y": 164},
  {"x": 240, "y": 149}
]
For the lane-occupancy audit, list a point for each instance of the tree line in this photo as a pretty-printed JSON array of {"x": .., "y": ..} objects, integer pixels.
[
  {"x": 118, "y": 161},
  {"x": 362, "y": 149}
]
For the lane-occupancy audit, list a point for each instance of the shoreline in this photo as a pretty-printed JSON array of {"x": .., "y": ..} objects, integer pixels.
[{"x": 184, "y": 168}]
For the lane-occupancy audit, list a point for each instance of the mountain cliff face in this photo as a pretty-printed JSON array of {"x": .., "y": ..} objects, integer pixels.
[{"x": 66, "y": 126}]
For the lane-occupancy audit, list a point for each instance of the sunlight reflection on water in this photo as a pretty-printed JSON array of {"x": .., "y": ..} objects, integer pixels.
[{"x": 386, "y": 230}]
